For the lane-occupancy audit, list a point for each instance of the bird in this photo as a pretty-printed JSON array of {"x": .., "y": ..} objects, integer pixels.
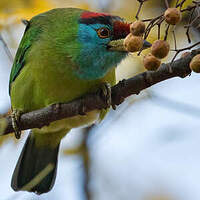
[{"x": 64, "y": 54}]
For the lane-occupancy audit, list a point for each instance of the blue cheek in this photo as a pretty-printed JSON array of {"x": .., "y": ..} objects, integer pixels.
[
  {"x": 87, "y": 35},
  {"x": 94, "y": 60}
]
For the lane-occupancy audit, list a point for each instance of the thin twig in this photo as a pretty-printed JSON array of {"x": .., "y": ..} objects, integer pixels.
[
  {"x": 7, "y": 50},
  {"x": 188, "y": 27},
  {"x": 183, "y": 49},
  {"x": 139, "y": 8},
  {"x": 167, "y": 3},
  {"x": 166, "y": 32}
]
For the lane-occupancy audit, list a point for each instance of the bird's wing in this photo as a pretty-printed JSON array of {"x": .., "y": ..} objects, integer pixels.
[{"x": 30, "y": 35}]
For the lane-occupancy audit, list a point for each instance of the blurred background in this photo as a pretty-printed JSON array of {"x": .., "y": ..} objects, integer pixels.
[{"x": 148, "y": 149}]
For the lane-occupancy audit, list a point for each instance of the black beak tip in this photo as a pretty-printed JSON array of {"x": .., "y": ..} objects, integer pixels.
[{"x": 146, "y": 44}]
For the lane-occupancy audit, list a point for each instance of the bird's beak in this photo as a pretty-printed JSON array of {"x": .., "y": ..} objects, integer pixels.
[
  {"x": 118, "y": 45},
  {"x": 146, "y": 45}
]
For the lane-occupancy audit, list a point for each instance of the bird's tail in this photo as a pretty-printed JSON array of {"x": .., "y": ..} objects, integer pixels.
[{"x": 37, "y": 165}]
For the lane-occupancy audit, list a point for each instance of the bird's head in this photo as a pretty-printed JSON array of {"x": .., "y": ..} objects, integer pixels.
[
  {"x": 93, "y": 42},
  {"x": 101, "y": 38},
  {"x": 95, "y": 33}
]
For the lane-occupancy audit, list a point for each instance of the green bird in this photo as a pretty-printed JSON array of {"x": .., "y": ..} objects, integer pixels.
[{"x": 64, "y": 53}]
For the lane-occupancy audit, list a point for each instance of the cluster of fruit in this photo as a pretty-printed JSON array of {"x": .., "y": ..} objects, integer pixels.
[
  {"x": 134, "y": 41},
  {"x": 160, "y": 48}
]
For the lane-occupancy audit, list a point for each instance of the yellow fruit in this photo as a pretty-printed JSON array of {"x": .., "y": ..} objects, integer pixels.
[
  {"x": 160, "y": 48},
  {"x": 151, "y": 63},
  {"x": 137, "y": 28},
  {"x": 195, "y": 64},
  {"x": 133, "y": 43},
  {"x": 172, "y": 16}
]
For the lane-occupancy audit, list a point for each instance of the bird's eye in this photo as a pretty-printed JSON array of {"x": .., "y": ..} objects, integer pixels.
[{"x": 103, "y": 32}]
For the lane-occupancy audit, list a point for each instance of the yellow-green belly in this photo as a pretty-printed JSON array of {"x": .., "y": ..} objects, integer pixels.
[{"x": 39, "y": 86}]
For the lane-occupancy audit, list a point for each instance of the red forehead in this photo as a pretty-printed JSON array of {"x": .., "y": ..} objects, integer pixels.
[
  {"x": 86, "y": 15},
  {"x": 121, "y": 29}
]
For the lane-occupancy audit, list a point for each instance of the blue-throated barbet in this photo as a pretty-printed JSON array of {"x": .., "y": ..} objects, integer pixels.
[{"x": 64, "y": 53}]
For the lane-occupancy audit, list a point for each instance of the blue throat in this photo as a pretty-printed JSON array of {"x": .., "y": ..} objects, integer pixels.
[{"x": 94, "y": 60}]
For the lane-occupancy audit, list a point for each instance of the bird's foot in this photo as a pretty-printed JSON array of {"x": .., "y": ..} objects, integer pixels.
[
  {"x": 15, "y": 117},
  {"x": 106, "y": 93}
]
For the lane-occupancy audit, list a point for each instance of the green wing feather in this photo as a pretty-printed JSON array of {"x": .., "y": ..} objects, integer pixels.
[{"x": 30, "y": 35}]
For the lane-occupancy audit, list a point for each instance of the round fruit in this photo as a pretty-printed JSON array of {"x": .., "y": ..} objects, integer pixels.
[
  {"x": 160, "y": 48},
  {"x": 195, "y": 64},
  {"x": 137, "y": 28},
  {"x": 151, "y": 63},
  {"x": 172, "y": 16},
  {"x": 133, "y": 43}
]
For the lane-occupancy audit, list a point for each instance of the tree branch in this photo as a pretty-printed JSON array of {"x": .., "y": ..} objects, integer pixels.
[{"x": 125, "y": 88}]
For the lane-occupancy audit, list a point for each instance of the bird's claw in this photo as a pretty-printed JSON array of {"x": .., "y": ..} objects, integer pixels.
[
  {"x": 106, "y": 93},
  {"x": 15, "y": 117}
]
